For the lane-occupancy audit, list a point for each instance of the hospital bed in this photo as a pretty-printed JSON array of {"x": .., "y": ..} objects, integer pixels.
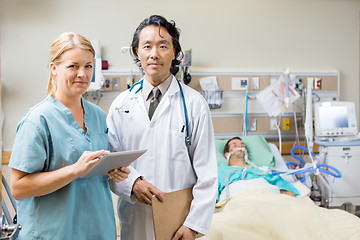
[{"x": 259, "y": 213}]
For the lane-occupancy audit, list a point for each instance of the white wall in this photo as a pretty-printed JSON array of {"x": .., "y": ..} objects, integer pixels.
[{"x": 242, "y": 35}]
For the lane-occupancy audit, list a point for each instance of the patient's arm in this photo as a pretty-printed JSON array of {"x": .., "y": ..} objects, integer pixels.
[{"x": 287, "y": 193}]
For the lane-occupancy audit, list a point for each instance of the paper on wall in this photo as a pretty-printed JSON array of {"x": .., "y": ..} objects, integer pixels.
[{"x": 209, "y": 83}]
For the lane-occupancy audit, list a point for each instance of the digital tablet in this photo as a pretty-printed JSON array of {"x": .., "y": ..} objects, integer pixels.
[{"x": 113, "y": 160}]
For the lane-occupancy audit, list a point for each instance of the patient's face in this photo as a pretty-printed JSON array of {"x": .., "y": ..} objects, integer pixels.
[{"x": 234, "y": 144}]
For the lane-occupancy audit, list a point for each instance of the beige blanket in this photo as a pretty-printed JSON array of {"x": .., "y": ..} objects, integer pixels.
[{"x": 260, "y": 214}]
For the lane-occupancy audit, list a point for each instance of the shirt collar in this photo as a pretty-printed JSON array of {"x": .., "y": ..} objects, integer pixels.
[{"x": 163, "y": 87}]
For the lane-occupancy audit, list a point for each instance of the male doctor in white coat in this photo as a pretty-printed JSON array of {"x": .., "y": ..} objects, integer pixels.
[{"x": 170, "y": 163}]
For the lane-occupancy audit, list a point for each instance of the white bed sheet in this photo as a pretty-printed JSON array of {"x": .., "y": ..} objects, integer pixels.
[{"x": 260, "y": 214}]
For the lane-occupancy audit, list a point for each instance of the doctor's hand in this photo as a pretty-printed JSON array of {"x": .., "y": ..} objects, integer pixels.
[
  {"x": 86, "y": 161},
  {"x": 184, "y": 233},
  {"x": 118, "y": 175},
  {"x": 144, "y": 191}
]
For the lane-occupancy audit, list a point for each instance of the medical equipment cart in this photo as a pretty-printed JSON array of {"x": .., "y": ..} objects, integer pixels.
[{"x": 345, "y": 156}]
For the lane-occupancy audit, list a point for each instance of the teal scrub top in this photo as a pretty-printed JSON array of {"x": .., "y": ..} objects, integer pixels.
[
  {"x": 48, "y": 138},
  {"x": 234, "y": 174}
]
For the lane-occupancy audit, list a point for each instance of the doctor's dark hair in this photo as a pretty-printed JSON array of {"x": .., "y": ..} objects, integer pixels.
[
  {"x": 226, "y": 147},
  {"x": 63, "y": 43},
  {"x": 156, "y": 20}
]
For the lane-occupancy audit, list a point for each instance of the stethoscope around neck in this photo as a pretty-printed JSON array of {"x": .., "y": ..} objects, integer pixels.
[{"x": 187, "y": 137}]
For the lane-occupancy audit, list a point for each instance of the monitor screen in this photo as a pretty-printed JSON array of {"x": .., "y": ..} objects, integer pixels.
[{"x": 335, "y": 119}]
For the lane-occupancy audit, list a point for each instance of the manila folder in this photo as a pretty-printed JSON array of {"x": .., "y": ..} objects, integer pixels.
[{"x": 170, "y": 215}]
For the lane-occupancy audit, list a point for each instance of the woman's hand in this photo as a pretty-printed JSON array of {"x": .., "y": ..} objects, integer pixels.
[
  {"x": 118, "y": 175},
  {"x": 86, "y": 161}
]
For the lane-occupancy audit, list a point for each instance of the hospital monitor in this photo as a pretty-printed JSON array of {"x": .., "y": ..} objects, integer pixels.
[
  {"x": 97, "y": 80},
  {"x": 335, "y": 119}
]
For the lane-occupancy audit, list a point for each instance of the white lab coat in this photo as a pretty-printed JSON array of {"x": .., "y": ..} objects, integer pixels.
[{"x": 168, "y": 165}]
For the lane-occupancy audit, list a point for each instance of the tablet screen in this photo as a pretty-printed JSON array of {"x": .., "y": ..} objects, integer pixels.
[{"x": 113, "y": 160}]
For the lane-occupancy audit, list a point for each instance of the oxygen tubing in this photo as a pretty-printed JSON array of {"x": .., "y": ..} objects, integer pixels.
[
  {"x": 323, "y": 168},
  {"x": 302, "y": 162}
]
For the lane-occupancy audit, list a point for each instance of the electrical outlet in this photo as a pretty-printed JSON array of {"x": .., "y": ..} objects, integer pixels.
[
  {"x": 286, "y": 124},
  {"x": 116, "y": 83},
  {"x": 273, "y": 124},
  {"x": 107, "y": 84},
  {"x": 255, "y": 83},
  {"x": 299, "y": 123},
  {"x": 252, "y": 124},
  {"x": 239, "y": 83},
  {"x": 317, "y": 83}
]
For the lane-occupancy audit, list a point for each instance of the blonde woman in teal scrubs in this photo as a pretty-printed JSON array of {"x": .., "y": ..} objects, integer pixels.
[{"x": 57, "y": 142}]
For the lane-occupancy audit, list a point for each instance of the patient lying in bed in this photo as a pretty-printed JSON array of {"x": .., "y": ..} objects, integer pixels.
[
  {"x": 257, "y": 213},
  {"x": 238, "y": 170}
]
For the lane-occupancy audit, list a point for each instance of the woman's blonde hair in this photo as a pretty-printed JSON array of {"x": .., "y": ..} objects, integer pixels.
[{"x": 63, "y": 43}]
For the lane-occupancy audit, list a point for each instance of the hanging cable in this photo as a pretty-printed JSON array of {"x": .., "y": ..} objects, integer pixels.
[
  {"x": 316, "y": 95},
  {"x": 246, "y": 112},
  {"x": 279, "y": 134},
  {"x": 297, "y": 138}
]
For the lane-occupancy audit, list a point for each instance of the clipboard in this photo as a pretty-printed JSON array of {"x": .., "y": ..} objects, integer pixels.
[
  {"x": 113, "y": 160},
  {"x": 170, "y": 215}
]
